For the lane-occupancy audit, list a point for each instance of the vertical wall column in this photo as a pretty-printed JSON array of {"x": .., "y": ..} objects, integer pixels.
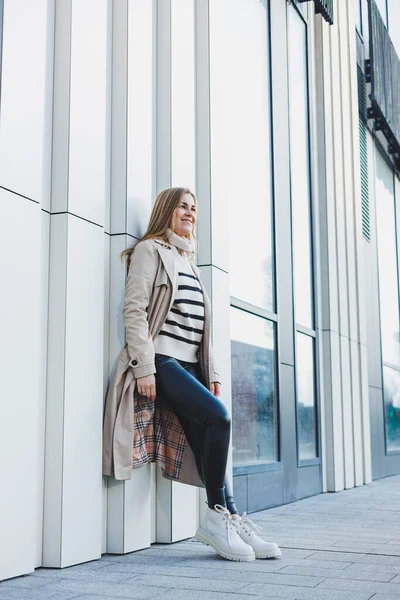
[
  {"x": 176, "y": 503},
  {"x": 24, "y": 197},
  {"x": 347, "y": 441},
  {"x": 130, "y": 519},
  {"x": 72, "y": 531},
  {"x": 213, "y": 231},
  {"x": 283, "y": 220}
]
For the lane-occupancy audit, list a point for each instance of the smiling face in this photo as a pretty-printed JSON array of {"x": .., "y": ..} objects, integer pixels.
[{"x": 185, "y": 215}]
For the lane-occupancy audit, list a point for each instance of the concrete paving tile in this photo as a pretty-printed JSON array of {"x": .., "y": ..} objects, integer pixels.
[
  {"x": 396, "y": 579},
  {"x": 216, "y": 562},
  {"x": 118, "y": 590},
  {"x": 363, "y": 575},
  {"x": 104, "y": 574},
  {"x": 24, "y": 581},
  {"x": 299, "y": 593},
  {"x": 293, "y": 542},
  {"x": 190, "y": 583},
  {"x": 202, "y": 595},
  {"x": 215, "y": 570},
  {"x": 252, "y": 572},
  {"x": 321, "y": 564},
  {"x": 338, "y": 556},
  {"x": 296, "y": 553},
  {"x": 387, "y": 549},
  {"x": 382, "y": 597},
  {"x": 42, "y": 593},
  {"x": 360, "y": 586},
  {"x": 171, "y": 552},
  {"x": 95, "y": 597},
  {"x": 294, "y": 580},
  {"x": 374, "y": 567},
  {"x": 144, "y": 559},
  {"x": 354, "y": 547}
]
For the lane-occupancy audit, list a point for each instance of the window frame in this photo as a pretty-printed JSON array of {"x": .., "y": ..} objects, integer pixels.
[
  {"x": 277, "y": 464},
  {"x": 396, "y": 212},
  {"x": 297, "y": 327}
]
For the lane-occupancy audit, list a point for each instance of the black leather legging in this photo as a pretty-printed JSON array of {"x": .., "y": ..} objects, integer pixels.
[{"x": 205, "y": 421}]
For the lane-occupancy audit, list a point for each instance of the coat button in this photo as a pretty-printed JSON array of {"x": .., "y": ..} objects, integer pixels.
[{"x": 134, "y": 363}]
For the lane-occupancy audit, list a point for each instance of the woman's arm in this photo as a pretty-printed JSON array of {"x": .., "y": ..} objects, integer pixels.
[{"x": 138, "y": 290}]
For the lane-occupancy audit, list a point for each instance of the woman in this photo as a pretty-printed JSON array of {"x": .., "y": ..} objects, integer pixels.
[{"x": 168, "y": 366}]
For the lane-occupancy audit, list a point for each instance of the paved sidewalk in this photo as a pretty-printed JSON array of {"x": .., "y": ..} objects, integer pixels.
[{"x": 343, "y": 546}]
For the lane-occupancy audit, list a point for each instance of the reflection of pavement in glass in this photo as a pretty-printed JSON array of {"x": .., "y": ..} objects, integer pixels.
[{"x": 253, "y": 405}]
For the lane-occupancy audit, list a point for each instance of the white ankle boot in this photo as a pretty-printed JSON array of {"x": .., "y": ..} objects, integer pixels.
[
  {"x": 247, "y": 531},
  {"x": 219, "y": 531}
]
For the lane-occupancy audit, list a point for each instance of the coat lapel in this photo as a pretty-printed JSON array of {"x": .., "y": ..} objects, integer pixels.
[{"x": 168, "y": 261}]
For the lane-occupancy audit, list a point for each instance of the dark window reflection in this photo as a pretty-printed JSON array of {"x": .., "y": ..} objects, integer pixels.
[
  {"x": 254, "y": 401},
  {"x": 391, "y": 381}
]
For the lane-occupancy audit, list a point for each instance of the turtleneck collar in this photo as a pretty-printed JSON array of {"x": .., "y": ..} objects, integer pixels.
[{"x": 179, "y": 242}]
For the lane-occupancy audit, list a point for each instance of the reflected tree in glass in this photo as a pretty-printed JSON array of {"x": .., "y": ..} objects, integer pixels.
[
  {"x": 306, "y": 409},
  {"x": 391, "y": 381},
  {"x": 254, "y": 399}
]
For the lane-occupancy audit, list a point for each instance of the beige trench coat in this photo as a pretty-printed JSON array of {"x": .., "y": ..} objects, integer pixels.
[{"x": 149, "y": 295}]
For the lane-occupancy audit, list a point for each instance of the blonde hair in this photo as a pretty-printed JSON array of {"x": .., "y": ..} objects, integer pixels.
[{"x": 161, "y": 219}]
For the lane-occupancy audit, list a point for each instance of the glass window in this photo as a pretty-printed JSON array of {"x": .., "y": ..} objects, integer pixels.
[
  {"x": 240, "y": 143},
  {"x": 394, "y": 23},
  {"x": 254, "y": 398},
  {"x": 182, "y": 93},
  {"x": 391, "y": 384},
  {"x": 300, "y": 168},
  {"x": 381, "y": 4},
  {"x": 306, "y": 410},
  {"x": 387, "y": 262},
  {"x": 357, "y": 15}
]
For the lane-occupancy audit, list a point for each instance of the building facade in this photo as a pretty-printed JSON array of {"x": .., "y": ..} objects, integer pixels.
[{"x": 283, "y": 118}]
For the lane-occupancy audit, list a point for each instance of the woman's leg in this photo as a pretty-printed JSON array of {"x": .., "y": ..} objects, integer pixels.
[
  {"x": 230, "y": 502},
  {"x": 195, "y": 437},
  {"x": 193, "y": 402}
]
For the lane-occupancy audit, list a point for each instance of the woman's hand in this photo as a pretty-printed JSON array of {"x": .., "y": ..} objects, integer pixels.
[
  {"x": 147, "y": 386},
  {"x": 215, "y": 388}
]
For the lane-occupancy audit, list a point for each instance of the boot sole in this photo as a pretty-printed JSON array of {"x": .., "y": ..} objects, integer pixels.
[{"x": 208, "y": 540}]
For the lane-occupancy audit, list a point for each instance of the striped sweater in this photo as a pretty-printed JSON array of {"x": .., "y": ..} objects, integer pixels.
[{"x": 182, "y": 332}]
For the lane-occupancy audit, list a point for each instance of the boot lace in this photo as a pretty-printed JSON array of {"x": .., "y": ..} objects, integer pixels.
[
  {"x": 225, "y": 516},
  {"x": 247, "y": 524}
]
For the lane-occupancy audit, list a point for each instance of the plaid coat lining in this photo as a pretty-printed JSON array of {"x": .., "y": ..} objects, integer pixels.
[{"x": 157, "y": 436}]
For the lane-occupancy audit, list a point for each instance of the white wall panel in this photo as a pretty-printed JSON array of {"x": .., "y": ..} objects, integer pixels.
[
  {"x": 118, "y": 274},
  {"x": 118, "y": 117},
  {"x": 347, "y": 412},
  {"x": 337, "y": 141},
  {"x": 73, "y": 490},
  {"x": 140, "y": 186},
  {"x": 20, "y": 423},
  {"x": 24, "y": 93},
  {"x": 129, "y": 508},
  {"x": 81, "y": 101},
  {"x": 172, "y": 524},
  {"x": 129, "y": 512},
  {"x": 347, "y": 429},
  {"x": 44, "y": 305},
  {"x": 133, "y": 116},
  {"x": 333, "y": 408},
  {"x": 183, "y": 94},
  {"x": 106, "y": 360},
  {"x": 356, "y": 389},
  {"x": 88, "y": 97}
]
